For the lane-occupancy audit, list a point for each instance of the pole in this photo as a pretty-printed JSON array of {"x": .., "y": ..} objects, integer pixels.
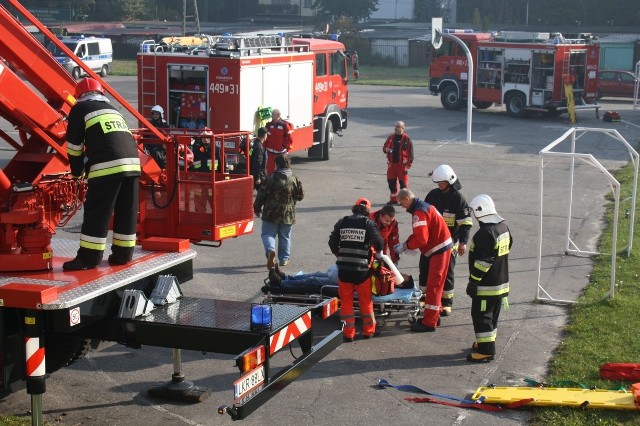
[{"x": 469, "y": 83}]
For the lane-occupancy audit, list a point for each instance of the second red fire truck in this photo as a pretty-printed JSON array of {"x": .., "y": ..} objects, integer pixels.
[
  {"x": 523, "y": 71},
  {"x": 232, "y": 82}
]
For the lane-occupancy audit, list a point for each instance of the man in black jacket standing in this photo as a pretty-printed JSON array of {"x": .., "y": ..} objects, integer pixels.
[
  {"x": 100, "y": 147},
  {"x": 351, "y": 242},
  {"x": 488, "y": 276}
]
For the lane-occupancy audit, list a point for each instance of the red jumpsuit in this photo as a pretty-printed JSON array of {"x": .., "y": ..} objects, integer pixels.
[
  {"x": 390, "y": 235},
  {"x": 432, "y": 237},
  {"x": 399, "y": 150},
  {"x": 279, "y": 141}
]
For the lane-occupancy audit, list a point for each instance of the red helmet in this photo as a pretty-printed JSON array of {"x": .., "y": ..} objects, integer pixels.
[
  {"x": 363, "y": 202},
  {"x": 88, "y": 84}
]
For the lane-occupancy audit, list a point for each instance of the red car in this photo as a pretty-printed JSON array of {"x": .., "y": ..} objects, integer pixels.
[{"x": 617, "y": 83}]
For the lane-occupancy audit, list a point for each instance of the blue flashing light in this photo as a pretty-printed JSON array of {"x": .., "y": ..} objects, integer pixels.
[{"x": 334, "y": 37}]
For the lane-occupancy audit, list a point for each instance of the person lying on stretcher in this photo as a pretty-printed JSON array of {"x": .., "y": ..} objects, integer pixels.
[{"x": 277, "y": 278}]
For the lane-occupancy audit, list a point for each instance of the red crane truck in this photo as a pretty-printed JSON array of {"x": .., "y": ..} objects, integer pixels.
[
  {"x": 523, "y": 71},
  {"x": 50, "y": 317}
]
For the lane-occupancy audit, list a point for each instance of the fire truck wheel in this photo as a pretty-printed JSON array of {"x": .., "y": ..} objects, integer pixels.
[
  {"x": 328, "y": 141},
  {"x": 450, "y": 98},
  {"x": 63, "y": 350},
  {"x": 76, "y": 73},
  {"x": 482, "y": 105},
  {"x": 104, "y": 71},
  {"x": 516, "y": 105}
]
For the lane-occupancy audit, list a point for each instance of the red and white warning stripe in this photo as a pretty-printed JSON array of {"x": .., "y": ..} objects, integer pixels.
[
  {"x": 35, "y": 357},
  {"x": 287, "y": 335}
]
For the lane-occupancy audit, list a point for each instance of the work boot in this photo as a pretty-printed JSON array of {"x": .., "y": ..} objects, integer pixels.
[
  {"x": 113, "y": 260},
  {"x": 446, "y": 311},
  {"x": 476, "y": 357},
  {"x": 76, "y": 265},
  {"x": 347, "y": 339},
  {"x": 276, "y": 268},
  {"x": 271, "y": 259},
  {"x": 420, "y": 327},
  {"x": 376, "y": 333},
  {"x": 284, "y": 262},
  {"x": 274, "y": 278}
]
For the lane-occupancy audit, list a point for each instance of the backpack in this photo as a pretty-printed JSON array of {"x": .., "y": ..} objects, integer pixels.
[{"x": 382, "y": 279}]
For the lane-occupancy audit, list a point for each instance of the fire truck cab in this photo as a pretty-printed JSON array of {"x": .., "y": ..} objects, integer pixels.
[
  {"x": 233, "y": 82},
  {"x": 524, "y": 71}
]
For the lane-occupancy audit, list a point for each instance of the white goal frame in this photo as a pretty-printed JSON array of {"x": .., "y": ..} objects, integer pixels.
[{"x": 573, "y": 135}]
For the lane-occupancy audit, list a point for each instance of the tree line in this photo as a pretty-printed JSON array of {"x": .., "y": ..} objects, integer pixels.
[{"x": 586, "y": 13}]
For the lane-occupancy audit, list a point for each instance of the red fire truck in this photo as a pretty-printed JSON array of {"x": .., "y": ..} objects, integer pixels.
[
  {"x": 524, "y": 71},
  {"x": 231, "y": 82}
]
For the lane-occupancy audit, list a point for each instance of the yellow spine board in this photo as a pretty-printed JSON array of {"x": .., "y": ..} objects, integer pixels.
[{"x": 565, "y": 397}]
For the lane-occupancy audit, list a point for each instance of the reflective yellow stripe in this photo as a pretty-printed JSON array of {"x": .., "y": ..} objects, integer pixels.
[
  {"x": 123, "y": 243},
  {"x": 92, "y": 246},
  {"x": 486, "y": 337},
  {"x": 465, "y": 221},
  {"x": 473, "y": 277},
  {"x": 502, "y": 244},
  {"x": 114, "y": 170},
  {"x": 493, "y": 290},
  {"x": 483, "y": 305},
  {"x": 109, "y": 122},
  {"x": 481, "y": 266},
  {"x": 74, "y": 153}
]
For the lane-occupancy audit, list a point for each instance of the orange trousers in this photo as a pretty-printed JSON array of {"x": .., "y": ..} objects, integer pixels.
[{"x": 346, "y": 292}]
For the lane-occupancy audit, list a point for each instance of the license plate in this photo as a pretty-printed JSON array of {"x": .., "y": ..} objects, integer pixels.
[{"x": 248, "y": 382}]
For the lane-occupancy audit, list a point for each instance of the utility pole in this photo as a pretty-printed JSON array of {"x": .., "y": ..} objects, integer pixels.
[{"x": 185, "y": 16}]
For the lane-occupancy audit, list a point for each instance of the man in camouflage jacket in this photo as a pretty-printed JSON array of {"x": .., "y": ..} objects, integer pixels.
[{"x": 276, "y": 200}]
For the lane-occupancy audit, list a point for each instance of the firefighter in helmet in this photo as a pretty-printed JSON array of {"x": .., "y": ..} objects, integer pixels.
[
  {"x": 155, "y": 150},
  {"x": 450, "y": 202},
  {"x": 488, "y": 276},
  {"x": 100, "y": 147},
  {"x": 399, "y": 151}
]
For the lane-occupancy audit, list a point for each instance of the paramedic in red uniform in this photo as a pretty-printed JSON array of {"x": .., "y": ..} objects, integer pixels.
[
  {"x": 385, "y": 219},
  {"x": 351, "y": 242},
  {"x": 100, "y": 147},
  {"x": 399, "y": 150},
  {"x": 432, "y": 237},
  {"x": 279, "y": 139}
]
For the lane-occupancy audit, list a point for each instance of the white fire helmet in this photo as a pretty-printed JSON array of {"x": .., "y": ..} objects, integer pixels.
[
  {"x": 484, "y": 209},
  {"x": 159, "y": 109},
  {"x": 443, "y": 173}
]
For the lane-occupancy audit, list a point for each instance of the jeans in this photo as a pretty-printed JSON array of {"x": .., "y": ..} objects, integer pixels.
[
  {"x": 315, "y": 279},
  {"x": 269, "y": 233}
]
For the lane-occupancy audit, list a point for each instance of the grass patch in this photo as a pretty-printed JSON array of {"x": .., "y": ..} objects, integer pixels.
[
  {"x": 601, "y": 330},
  {"x": 369, "y": 75},
  {"x": 15, "y": 421},
  {"x": 124, "y": 67},
  {"x": 393, "y": 76}
]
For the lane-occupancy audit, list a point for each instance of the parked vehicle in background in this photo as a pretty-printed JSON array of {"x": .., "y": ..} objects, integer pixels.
[
  {"x": 96, "y": 52},
  {"x": 617, "y": 83}
]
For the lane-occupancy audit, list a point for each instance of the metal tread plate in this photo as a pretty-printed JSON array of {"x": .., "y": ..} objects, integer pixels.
[
  {"x": 79, "y": 286},
  {"x": 225, "y": 315}
]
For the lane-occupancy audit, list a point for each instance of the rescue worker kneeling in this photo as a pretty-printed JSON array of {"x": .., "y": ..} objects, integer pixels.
[{"x": 351, "y": 242}]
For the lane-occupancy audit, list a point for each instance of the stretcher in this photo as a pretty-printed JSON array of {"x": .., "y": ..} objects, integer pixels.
[{"x": 402, "y": 302}]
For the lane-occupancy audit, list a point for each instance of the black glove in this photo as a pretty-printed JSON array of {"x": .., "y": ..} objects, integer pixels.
[{"x": 472, "y": 289}]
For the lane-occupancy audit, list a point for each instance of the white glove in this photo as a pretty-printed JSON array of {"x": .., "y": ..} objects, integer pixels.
[{"x": 399, "y": 248}]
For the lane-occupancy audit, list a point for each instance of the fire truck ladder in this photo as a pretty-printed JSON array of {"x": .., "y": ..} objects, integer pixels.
[{"x": 148, "y": 79}]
